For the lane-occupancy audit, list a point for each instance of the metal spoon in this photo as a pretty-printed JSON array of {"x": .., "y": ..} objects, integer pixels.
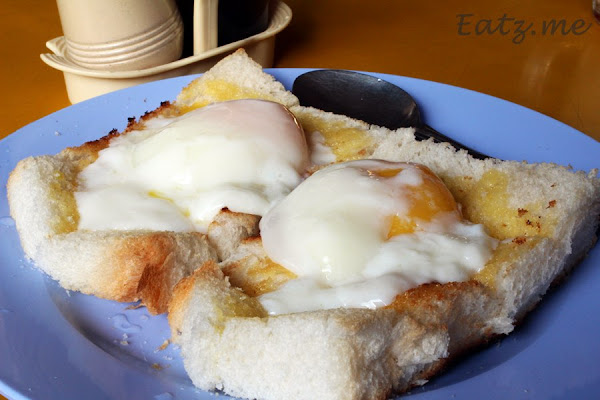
[{"x": 369, "y": 99}]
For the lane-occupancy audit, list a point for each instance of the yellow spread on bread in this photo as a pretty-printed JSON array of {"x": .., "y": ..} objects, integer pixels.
[
  {"x": 487, "y": 201},
  {"x": 503, "y": 256},
  {"x": 61, "y": 194},
  {"x": 346, "y": 143},
  {"x": 215, "y": 90}
]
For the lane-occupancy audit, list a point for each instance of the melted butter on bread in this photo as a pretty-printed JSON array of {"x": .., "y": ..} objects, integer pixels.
[
  {"x": 487, "y": 201},
  {"x": 345, "y": 141},
  {"x": 504, "y": 255},
  {"x": 258, "y": 276},
  {"x": 213, "y": 91},
  {"x": 61, "y": 193}
]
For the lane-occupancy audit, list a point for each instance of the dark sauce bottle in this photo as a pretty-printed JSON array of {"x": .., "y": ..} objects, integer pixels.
[{"x": 238, "y": 19}]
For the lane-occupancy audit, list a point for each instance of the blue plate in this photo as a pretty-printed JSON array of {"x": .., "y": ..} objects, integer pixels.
[{"x": 56, "y": 344}]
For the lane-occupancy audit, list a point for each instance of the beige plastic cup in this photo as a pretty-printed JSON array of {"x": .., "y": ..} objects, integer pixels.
[
  {"x": 84, "y": 83},
  {"x": 121, "y": 35}
]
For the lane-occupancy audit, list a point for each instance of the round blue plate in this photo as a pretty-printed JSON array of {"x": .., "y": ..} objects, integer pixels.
[{"x": 56, "y": 344}]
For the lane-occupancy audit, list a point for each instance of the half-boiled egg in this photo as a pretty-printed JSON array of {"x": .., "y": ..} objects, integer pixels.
[
  {"x": 178, "y": 173},
  {"x": 357, "y": 234}
]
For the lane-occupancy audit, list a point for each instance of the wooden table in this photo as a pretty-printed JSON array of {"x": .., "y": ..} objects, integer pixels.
[
  {"x": 544, "y": 55},
  {"x": 504, "y": 48}
]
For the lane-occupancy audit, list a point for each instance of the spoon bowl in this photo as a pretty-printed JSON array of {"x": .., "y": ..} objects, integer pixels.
[{"x": 369, "y": 99}]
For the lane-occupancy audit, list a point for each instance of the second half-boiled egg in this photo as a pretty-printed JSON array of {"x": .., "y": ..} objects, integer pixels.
[{"x": 356, "y": 234}]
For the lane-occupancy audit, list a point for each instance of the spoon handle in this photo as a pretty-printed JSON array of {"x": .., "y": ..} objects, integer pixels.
[{"x": 424, "y": 132}]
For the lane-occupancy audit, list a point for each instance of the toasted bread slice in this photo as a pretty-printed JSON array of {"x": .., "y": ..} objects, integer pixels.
[
  {"x": 544, "y": 215},
  {"x": 127, "y": 265}
]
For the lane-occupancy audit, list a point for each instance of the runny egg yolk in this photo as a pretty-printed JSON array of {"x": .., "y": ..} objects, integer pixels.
[
  {"x": 356, "y": 234},
  {"x": 429, "y": 199}
]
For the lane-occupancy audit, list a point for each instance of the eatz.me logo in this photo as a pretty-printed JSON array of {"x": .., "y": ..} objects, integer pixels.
[{"x": 518, "y": 29}]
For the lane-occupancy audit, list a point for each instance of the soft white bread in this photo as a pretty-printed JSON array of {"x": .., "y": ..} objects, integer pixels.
[
  {"x": 545, "y": 216},
  {"x": 248, "y": 82},
  {"x": 124, "y": 265},
  {"x": 229, "y": 229},
  {"x": 339, "y": 354}
]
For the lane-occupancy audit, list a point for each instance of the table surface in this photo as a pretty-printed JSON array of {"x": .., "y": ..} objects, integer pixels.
[{"x": 505, "y": 48}]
